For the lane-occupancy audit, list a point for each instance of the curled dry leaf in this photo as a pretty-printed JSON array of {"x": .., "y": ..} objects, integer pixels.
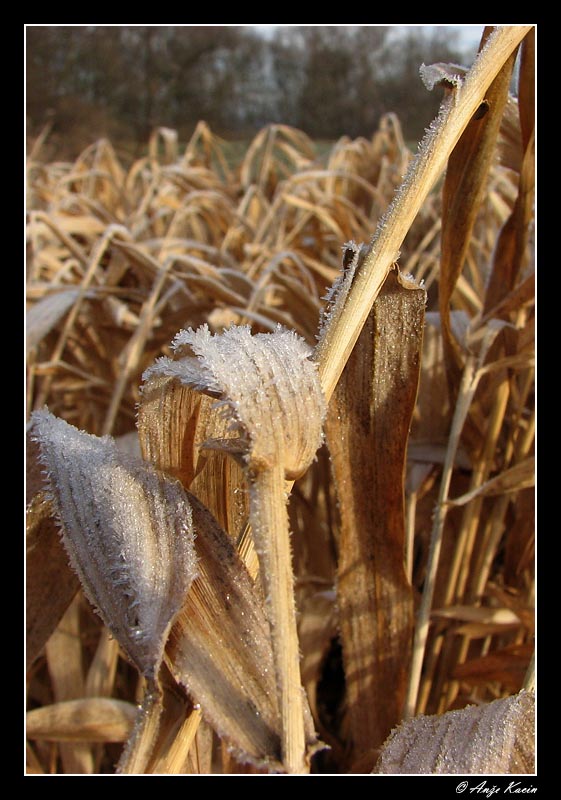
[
  {"x": 490, "y": 739},
  {"x": 268, "y": 384},
  {"x": 127, "y": 530},
  {"x": 464, "y": 186},
  {"x": 510, "y": 258},
  {"x": 497, "y": 616},
  {"x": 93, "y": 719}
]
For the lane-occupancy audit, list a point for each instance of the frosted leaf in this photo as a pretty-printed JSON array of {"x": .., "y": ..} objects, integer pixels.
[
  {"x": 495, "y": 738},
  {"x": 187, "y": 370},
  {"x": 128, "y": 533},
  {"x": 267, "y": 383}
]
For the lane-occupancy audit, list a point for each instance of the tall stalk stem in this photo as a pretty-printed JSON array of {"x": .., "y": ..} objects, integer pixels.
[
  {"x": 456, "y": 111},
  {"x": 272, "y": 541}
]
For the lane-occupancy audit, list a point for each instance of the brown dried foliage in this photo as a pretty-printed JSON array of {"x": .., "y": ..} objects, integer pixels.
[{"x": 120, "y": 258}]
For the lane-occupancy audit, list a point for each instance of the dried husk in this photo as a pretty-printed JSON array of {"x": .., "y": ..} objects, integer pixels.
[
  {"x": 127, "y": 530},
  {"x": 261, "y": 379},
  {"x": 234, "y": 686},
  {"x": 219, "y": 648},
  {"x": 173, "y": 422}
]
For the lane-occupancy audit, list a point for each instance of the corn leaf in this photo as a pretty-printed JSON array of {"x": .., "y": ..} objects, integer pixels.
[{"x": 367, "y": 430}]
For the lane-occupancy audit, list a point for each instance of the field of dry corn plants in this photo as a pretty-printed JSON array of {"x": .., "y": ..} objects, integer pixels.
[{"x": 281, "y": 424}]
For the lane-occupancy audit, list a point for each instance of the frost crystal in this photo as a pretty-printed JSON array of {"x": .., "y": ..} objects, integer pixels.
[
  {"x": 407, "y": 278},
  {"x": 440, "y": 73},
  {"x": 127, "y": 529},
  {"x": 338, "y": 292}
]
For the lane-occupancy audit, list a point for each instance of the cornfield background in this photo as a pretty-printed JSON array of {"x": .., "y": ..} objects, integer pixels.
[{"x": 122, "y": 256}]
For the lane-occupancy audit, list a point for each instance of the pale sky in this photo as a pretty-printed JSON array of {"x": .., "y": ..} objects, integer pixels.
[{"x": 469, "y": 34}]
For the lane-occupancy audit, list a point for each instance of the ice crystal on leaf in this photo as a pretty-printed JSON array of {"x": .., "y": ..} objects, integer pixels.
[{"x": 442, "y": 74}]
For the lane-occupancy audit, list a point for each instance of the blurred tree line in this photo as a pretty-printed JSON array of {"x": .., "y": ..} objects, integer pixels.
[{"x": 123, "y": 81}]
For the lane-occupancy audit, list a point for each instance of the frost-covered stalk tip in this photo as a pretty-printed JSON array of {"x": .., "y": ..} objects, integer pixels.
[{"x": 268, "y": 385}]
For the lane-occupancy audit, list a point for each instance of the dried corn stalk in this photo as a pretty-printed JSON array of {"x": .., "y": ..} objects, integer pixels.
[
  {"x": 270, "y": 391},
  {"x": 186, "y": 252}
]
